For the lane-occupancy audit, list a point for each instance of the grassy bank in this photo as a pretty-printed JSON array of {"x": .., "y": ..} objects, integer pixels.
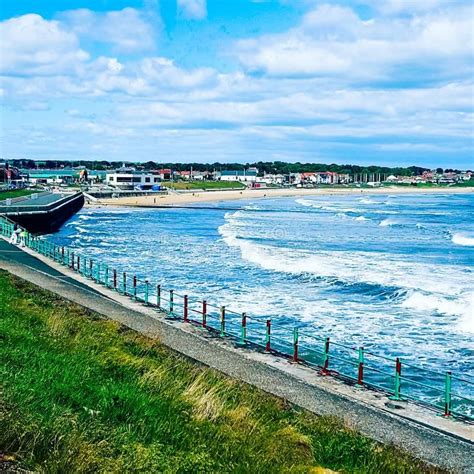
[
  {"x": 84, "y": 394},
  {"x": 14, "y": 193}
]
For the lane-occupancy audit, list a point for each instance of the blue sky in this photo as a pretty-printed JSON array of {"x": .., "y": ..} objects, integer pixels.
[{"x": 385, "y": 82}]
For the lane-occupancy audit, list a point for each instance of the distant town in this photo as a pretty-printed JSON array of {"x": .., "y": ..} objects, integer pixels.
[{"x": 152, "y": 176}]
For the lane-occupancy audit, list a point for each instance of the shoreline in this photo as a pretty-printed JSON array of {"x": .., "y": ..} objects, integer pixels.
[{"x": 187, "y": 198}]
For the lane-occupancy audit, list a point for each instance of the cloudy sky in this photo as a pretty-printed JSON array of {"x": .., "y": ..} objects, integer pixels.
[{"x": 352, "y": 81}]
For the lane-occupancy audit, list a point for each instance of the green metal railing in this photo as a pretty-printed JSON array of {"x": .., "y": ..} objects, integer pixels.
[{"x": 444, "y": 392}]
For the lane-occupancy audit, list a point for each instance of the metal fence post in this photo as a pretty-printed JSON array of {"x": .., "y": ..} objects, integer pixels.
[
  {"x": 158, "y": 296},
  {"x": 185, "y": 308},
  {"x": 135, "y": 286},
  {"x": 115, "y": 278},
  {"x": 325, "y": 370},
  {"x": 397, "y": 381},
  {"x": 171, "y": 302},
  {"x": 295, "y": 344},
  {"x": 146, "y": 292},
  {"x": 124, "y": 283},
  {"x": 97, "y": 275},
  {"x": 204, "y": 313},
  {"x": 107, "y": 276},
  {"x": 222, "y": 321},
  {"x": 243, "y": 330},
  {"x": 447, "y": 394},
  {"x": 267, "y": 336},
  {"x": 360, "y": 372},
  {"x": 72, "y": 260}
]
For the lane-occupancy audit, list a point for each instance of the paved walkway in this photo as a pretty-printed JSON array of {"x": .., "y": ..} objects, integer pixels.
[{"x": 429, "y": 437}]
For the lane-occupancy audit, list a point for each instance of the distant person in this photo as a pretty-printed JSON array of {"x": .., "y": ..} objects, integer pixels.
[
  {"x": 22, "y": 238},
  {"x": 15, "y": 234}
]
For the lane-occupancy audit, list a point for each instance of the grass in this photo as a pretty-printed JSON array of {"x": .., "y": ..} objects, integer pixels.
[
  {"x": 83, "y": 394},
  {"x": 182, "y": 185},
  {"x": 16, "y": 193}
]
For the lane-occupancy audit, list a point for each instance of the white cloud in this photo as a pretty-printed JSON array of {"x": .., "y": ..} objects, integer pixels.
[
  {"x": 192, "y": 9},
  {"x": 127, "y": 30},
  {"x": 31, "y": 45},
  {"x": 334, "y": 41}
]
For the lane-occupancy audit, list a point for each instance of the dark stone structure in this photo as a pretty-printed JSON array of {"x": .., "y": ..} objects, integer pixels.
[{"x": 44, "y": 213}]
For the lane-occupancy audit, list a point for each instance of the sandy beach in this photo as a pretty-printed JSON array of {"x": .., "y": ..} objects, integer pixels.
[{"x": 188, "y": 198}]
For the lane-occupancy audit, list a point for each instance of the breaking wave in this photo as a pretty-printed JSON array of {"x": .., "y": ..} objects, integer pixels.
[
  {"x": 411, "y": 285},
  {"x": 462, "y": 239}
]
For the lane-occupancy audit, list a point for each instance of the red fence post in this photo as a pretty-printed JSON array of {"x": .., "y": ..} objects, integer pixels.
[
  {"x": 243, "y": 330},
  {"x": 360, "y": 373},
  {"x": 185, "y": 309},
  {"x": 204, "y": 313},
  {"x": 267, "y": 336},
  {"x": 222, "y": 321},
  {"x": 325, "y": 370}
]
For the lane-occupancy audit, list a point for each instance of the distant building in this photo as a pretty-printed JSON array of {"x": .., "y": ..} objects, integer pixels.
[
  {"x": 244, "y": 176},
  {"x": 129, "y": 178}
]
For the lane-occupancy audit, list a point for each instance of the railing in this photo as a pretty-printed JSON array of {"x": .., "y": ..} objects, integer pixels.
[{"x": 444, "y": 392}]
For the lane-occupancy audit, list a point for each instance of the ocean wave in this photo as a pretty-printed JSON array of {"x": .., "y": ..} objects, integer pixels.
[
  {"x": 462, "y": 239},
  {"x": 389, "y": 222},
  {"x": 349, "y": 267},
  {"x": 361, "y": 218},
  {"x": 370, "y": 201},
  {"x": 451, "y": 306},
  {"x": 308, "y": 203}
]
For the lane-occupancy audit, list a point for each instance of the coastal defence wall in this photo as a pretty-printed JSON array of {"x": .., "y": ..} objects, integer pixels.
[
  {"x": 45, "y": 214},
  {"x": 441, "y": 441}
]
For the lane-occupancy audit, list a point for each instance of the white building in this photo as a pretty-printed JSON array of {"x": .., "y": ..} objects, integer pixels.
[
  {"x": 244, "y": 176},
  {"x": 128, "y": 178}
]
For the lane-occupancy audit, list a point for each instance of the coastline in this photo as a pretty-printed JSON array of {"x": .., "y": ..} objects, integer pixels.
[{"x": 188, "y": 198}]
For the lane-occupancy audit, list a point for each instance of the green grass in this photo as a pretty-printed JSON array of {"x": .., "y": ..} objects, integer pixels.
[
  {"x": 16, "y": 193},
  {"x": 84, "y": 394},
  {"x": 182, "y": 185}
]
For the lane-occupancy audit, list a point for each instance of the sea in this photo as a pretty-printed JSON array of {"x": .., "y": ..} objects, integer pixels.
[{"x": 393, "y": 273}]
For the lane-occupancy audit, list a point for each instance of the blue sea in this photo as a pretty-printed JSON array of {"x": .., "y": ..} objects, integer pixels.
[{"x": 394, "y": 273}]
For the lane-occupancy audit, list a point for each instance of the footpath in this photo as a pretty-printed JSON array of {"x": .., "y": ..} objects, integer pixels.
[{"x": 447, "y": 443}]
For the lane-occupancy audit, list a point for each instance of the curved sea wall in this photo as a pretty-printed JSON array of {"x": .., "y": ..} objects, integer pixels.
[{"x": 45, "y": 214}]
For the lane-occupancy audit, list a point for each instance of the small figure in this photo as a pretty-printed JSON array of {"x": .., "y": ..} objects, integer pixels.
[{"x": 14, "y": 237}]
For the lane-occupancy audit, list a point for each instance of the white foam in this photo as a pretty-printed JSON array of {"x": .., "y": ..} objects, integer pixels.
[
  {"x": 308, "y": 203},
  {"x": 461, "y": 305},
  {"x": 368, "y": 201},
  {"x": 358, "y": 267},
  {"x": 463, "y": 239},
  {"x": 388, "y": 222},
  {"x": 361, "y": 218}
]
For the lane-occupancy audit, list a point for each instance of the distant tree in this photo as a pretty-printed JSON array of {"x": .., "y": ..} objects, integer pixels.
[{"x": 439, "y": 170}]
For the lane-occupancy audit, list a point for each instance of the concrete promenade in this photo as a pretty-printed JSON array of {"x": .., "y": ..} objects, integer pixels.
[{"x": 443, "y": 442}]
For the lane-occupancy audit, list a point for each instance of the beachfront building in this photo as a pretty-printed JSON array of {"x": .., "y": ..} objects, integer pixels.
[
  {"x": 129, "y": 178},
  {"x": 244, "y": 176}
]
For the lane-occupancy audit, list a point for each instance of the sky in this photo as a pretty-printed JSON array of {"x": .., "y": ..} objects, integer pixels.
[{"x": 386, "y": 82}]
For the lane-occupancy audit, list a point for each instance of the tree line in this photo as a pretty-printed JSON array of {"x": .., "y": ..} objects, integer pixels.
[{"x": 274, "y": 167}]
